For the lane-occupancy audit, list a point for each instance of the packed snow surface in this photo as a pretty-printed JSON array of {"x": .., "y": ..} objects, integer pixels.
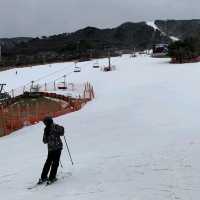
[{"x": 137, "y": 140}]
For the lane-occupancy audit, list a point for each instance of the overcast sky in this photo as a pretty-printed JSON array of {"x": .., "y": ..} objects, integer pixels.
[{"x": 46, "y": 17}]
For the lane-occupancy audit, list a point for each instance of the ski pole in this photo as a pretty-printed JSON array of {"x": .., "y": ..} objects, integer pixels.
[
  {"x": 68, "y": 151},
  {"x": 61, "y": 164}
]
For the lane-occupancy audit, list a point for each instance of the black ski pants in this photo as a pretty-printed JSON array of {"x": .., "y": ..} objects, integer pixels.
[{"x": 52, "y": 162}]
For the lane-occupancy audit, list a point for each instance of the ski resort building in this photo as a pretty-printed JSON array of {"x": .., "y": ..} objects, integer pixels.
[{"x": 160, "y": 50}]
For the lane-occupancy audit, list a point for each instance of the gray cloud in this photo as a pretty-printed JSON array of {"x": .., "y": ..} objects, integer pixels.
[{"x": 45, "y": 17}]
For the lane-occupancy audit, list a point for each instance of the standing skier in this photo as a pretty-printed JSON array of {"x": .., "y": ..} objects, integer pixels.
[{"x": 51, "y": 137}]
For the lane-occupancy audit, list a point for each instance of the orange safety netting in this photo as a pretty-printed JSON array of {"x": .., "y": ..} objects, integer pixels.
[{"x": 22, "y": 116}]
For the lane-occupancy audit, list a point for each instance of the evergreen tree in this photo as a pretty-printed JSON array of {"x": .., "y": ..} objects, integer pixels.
[{"x": 185, "y": 50}]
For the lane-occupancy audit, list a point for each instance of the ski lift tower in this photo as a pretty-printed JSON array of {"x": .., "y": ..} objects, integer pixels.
[
  {"x": 3, "y": 95},
  {"x": 109, "y": 62},
  {"x": 108, "y": 68},
  {"x": 133, "y": 53},
  {"x": 1, "y": 87}
]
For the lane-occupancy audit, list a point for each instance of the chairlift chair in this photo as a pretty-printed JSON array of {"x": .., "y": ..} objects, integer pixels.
[
  {"x": 96, "y": 65},
  {"x": 62, "y": 86},
  {"x": 77, "y": 69}
]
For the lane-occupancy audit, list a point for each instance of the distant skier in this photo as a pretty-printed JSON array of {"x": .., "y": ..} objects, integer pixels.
[{"x": 51, "y": 137}]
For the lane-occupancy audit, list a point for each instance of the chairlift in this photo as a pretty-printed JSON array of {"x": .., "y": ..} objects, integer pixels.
[
  {"x": 96, "y": 65},
  {"x": 77, "y": 69},
  {"x": 62, "y": 86},
  {"x": 35, "y": 88}
]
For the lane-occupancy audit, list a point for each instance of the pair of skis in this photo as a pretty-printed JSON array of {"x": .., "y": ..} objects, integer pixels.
[{"x": 45, "y": 183}]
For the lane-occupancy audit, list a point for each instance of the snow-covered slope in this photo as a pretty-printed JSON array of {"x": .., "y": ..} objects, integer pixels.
[
  {"x": 138, "y": 139},
  {"x": 155, "y": 27}
]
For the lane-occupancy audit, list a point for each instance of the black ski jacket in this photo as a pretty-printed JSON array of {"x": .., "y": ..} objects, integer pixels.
[{"x": 52, "y": 135}]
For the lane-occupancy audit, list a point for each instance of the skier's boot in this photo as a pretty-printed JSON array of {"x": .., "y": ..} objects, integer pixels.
[
  {"x": 50, "y": 181},
  {"x": 42, "y": 180}
]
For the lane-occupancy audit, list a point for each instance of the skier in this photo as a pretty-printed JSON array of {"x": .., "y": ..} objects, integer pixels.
[{"x": 51, "y": 137}]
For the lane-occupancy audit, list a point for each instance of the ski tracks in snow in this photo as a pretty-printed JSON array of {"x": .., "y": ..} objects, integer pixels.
[{"x": 171, "y": 173}]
